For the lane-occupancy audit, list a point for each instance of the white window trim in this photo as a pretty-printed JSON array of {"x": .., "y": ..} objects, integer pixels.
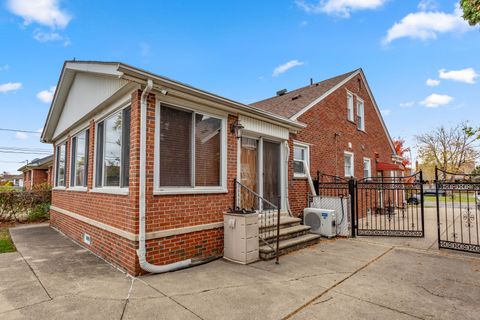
[
  {"x": 109, "y": 189},
  {"x": 73, "y": 187},
  {"x": 307, "y": 160},
  {"x": 370, "y": 168},
  {"x": 157, "y": 190},
  {"x": 351, "y": 113},
  {"x": 57, "y": 187},
  {"x": 363, "y": 114},
  {"x": 353, "y": 164}
]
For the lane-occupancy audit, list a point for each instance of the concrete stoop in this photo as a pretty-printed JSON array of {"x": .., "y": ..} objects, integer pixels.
[{"x": 293, "y": 236}]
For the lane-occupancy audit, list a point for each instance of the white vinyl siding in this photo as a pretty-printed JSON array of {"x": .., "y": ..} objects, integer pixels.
[{"x": 349, "y": 164}]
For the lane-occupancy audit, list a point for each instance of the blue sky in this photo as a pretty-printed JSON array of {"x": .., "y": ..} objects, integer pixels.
[{"x": 233, "y": 49}]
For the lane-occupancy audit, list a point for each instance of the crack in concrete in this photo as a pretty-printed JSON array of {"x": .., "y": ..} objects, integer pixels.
[
  {"x": 291, "y": 314},
  {"x": 36, "y": 276},
  {"x": 127, "y": 298}
]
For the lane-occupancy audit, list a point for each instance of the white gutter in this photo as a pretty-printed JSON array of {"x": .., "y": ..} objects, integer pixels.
[{"x": 141, "y": 252}]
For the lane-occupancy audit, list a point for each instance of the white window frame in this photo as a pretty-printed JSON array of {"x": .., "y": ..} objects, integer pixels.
[
  {"x": 57, "y": 187},
  {"x": 352, "y": 155},
  {"x": 222, "y": 188},
  {"x": 360, "y": 114},
  {"x": 369, "y": 176},
  {"x": 107, "y": 189},
  {"x": 306, "y": 147},
  {"x": 350, "y": 108},
  {"x": 73, "y": 166}
]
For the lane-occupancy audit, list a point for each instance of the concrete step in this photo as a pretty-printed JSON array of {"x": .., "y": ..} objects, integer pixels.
[
  {"x": 289, "y": 245},
  {"x": 288, "y": 233},
  {"x": 285, "y": 222}
]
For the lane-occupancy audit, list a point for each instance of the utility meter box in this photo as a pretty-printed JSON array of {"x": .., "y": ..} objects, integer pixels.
[{"x": 241, "y": 237}]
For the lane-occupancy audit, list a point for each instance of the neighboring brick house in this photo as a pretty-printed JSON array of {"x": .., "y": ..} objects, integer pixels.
[
  {"x": 37, "y": 172},
  {"x": 345, "y": 134},
  {"x": 145, "y": 166}
]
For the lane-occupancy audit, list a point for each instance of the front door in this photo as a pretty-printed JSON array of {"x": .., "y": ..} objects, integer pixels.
[
  {"x": 249, "y": 172},
  {"x": 271, "y": 172}
]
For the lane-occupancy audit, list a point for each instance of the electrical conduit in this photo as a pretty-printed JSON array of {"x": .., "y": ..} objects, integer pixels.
[{"x": 141, "y": 252}]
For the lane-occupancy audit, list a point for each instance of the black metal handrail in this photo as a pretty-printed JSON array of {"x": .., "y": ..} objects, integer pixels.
[{"x": 247, "y": 200}]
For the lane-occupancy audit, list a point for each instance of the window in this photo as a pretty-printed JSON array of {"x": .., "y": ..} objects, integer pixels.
[
  {"x": 350, "y": 106},
  {"x": 300, "y": 154},
  {"x": 349, "y": 164},
  {"x": 79, "y": 159},
  {"x": 113, "y": 150},
  {"x": 360, "y": 115},
  {"x": 61, "y": 157},
  {"x": 367, "y": 168},
  {"x": 190, "y": 148}
]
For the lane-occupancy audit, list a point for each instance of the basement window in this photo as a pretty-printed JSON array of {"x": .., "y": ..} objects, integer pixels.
[
  {"x": 112, "y": 161},
  {"x": 191, "y": 149}
]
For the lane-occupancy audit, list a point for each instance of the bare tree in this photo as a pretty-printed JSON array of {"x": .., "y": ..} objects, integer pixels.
[{"x": 450, "y": 149}]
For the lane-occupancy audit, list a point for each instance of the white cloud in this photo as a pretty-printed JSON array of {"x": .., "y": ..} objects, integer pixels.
[
  {"x": 465, "y": 75},
  {"x": 427, "y": 25},
  {"x": 42, "y": 36},
  {"x": 432, "y": 82},
  {"x": 46, "y": 96},
  {"x": 435, "y": 100},
  {"x": 21, "y": 136},
  {"x": 285, "y": 67},
  {"x": 44, "y": 12},
  {"x": 386, "y": 112},
  {"x": 341, "y": 8},
  {"x": 426, "y": 5},
  {"x": 407, "y": 104},
  {"x": 10, "y": 86}
]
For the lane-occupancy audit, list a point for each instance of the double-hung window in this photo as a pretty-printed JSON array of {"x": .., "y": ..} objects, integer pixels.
[
  {"x": 190, "y": 147},
  {"x": 61, "y": 156},
  {"x": 349, "y": 164},
  {"x": 360, "y": 115},
  {"x": 300, "y": 156},
  {"x": 367, "y": 168},
  {"x": 350, "y": 112},
  {"x": 79, "y": 159},
  {"x": 112, "y": 161}
]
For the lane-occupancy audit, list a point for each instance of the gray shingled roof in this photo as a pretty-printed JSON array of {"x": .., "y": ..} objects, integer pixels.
[{"x": 292, "y": 102}]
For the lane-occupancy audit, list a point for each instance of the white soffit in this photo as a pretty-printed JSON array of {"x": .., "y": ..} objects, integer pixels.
[
  {"x": 87, "y": 92},
  {"x": 263, "y": 128}
]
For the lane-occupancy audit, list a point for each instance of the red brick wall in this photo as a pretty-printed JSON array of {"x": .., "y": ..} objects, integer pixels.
[
  {"x": 327, "y": 155},
  {"x": 39, "y": 176}
]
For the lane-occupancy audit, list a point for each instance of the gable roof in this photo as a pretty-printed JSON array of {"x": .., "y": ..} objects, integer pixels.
[
  {"x": 41, "y": 163},
  {"x": 293, "y": 102},
  {"x": 132, "y": 77}
]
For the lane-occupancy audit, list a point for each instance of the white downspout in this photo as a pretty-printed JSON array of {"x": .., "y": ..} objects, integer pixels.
[
  {"x": 287, "y": 157},
  {"x": 141, "y": 252},
  {"x": 309, "y": 178}
]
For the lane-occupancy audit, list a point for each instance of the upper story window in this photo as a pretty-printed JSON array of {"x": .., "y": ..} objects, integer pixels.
[
  {"x": 61, "y": 156},
  {"x": 350, "y": 114},
  {"x": 300, "y": 155},
  {"x": 191, "y": 148},
  {"x": 79, "y": 159},
  {"x": 367, "y": 168},
  {"x": 112, "y": 161},
  {"x": 349, "y": 164},
  {"x": 360, "y": 115}
]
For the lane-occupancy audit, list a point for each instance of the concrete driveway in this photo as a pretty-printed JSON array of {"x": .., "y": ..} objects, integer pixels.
[{"x": 51, "y": 277}]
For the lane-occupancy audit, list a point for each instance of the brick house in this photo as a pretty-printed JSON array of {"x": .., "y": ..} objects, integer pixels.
[
  {"x": 345, "y": 134},
  {"x": 37, "y": 172},
  {"x": 144, "y": 166}
]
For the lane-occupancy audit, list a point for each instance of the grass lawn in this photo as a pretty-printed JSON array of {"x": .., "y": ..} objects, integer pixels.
[
  {"x": 6, "y": 244},
  {"x": 456, "y": 198}
]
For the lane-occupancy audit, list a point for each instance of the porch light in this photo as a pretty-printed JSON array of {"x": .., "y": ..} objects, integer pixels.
[{"x": 236, "y": 127}]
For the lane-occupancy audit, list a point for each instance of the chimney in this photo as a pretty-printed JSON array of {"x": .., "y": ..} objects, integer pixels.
[{"x": 311, "y": 81}]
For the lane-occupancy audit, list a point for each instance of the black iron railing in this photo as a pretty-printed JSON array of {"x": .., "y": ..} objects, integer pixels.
[{"x": 247, "y": 201}]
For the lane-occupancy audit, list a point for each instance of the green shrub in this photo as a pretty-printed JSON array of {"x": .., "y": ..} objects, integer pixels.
[{"x": 24, "y": 205}]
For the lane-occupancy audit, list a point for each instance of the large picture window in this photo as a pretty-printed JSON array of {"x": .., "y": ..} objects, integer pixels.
[
  {"x": 79, "y": 162},
  {"x": 61, "y": 156},
  {"x": 190, "y": 148},
  {"x": 113, "y": 150}
]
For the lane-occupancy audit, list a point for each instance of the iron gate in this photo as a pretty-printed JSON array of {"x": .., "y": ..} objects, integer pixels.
[
  {"x": 458, "y": 211},
  {"x": 390, "y": 206}
]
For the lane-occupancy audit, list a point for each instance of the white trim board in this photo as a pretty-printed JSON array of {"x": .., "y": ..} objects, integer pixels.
[{"x": 134, "y": 237}]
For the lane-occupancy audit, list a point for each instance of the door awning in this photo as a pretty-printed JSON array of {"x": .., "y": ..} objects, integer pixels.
[{"x": 384, "y": 166}]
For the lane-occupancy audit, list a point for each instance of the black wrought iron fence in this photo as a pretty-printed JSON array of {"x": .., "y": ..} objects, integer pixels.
[{"x": 247, "y": 201}]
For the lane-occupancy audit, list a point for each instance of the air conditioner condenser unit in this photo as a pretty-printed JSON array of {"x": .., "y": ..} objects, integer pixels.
[{"x": 321, "y": 221}]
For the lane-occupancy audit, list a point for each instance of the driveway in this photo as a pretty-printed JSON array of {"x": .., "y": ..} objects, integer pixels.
[{"x": 50, "y": 277}]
